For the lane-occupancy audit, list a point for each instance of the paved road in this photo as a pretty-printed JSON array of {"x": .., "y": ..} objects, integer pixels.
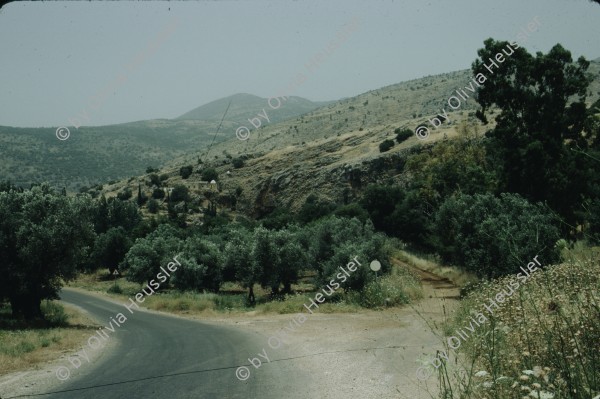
[{"x": 160, "y": 356}]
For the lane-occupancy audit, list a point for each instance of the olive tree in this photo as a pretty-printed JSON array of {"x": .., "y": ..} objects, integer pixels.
[{"x": 44, "y": 238}]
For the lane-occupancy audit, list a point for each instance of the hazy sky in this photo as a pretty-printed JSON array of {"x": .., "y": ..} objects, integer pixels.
[{"x": 114, "y": 62}]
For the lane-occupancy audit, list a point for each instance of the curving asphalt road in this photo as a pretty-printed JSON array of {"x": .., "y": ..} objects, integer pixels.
[{"x": 165, "y": 357}]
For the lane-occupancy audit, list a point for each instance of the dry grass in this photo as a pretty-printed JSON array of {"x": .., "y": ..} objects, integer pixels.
[
  {"x": 543, "y": 342},
  {"x": 22, "y": 347},
  {"x": 431, "y": 264},
  {"x": 399, "y": 287}
]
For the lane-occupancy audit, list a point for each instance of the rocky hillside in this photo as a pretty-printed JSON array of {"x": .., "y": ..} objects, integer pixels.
[{"x": 332, "y": 151}]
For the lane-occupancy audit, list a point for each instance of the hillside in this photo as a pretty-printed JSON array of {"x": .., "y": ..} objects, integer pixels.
[
  {"x": 315, "y": 146},
  {"x": 94, "y": 155},
  {"x": 244, "y": 106},
  {"x": 333, "y": 150}
]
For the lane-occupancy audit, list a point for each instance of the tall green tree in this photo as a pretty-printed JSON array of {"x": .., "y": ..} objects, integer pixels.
[
  {"x": 238, "y": 257},
  {"x": 44, "y": 238},
  {"x": 147, "y": 255},
  {"x": 110, "y": 248},
  {"x": 264, "y": 256},
  {"x": 542, "y": 115}
]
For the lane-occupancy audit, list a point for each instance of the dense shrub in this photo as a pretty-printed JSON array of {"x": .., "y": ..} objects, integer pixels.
[
  {"x": 238, "y": 163},
  {"x": 125, "y": 194},
  {"x": 386, "y": 145},
  {"x": 493, "y": 236},
  {"x": 152, "y": 205},
  {"x": 180, "y": 193},
  {"x": 158, "y": 193},
  {"x": 154, "y": 180},
  {"x": 314, "y": 209},
  {"x": 209, "y": 174},
  {"x": 403, "y": 134},
  {"x": 186, "y": 171}
]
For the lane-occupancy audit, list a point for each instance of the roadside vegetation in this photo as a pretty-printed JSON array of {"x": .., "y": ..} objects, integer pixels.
[
  {"x": 25, "y": 344},
  {"x": 543, "y": 342},
  {"x": 484, "y": 205}
]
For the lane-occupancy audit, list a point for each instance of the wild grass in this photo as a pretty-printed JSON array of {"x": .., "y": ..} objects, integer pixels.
[
  {"x": 432, "y": 264},
  {"x": 24, "y": 344},
  {"x": 397, "y": 288},
  {"x": 400, "y": 287},
  {"x": 543, "y": 342}
]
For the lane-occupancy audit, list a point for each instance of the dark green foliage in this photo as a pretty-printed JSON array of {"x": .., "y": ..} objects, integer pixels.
[
  {"x": 290, "y": 257},
  {"x": 152, "y": 205},
  {"x": 238, "y": 163},
  {"x": 8, "y": 186},
  {"x": 314, "y": 209},
  {"x": 543, "y": 113},
  {"x": 125, "y": 194},
  {"x": 115, "y": 289},
  {"x": 201, "y": 266},
  {"x": 141, "y": 197},
  {"x": 158, "y": 193},
  {"x": 113, "y": 213},
  {"x": 154, "y": 180},
  {"x": 403, "y": 134},
  {"x": 110, "y": 248},
  {"x": 147, "y": 255},
  {"x": 278, "y": 219},
  {"x": 380, "y": 202},
  {"x": 44, "y": 238},
  {"x": 493, "y": 236},
  {"x": 264, "y": 258},
  {"x": 163, "y": 177},
  {"x": 352, "y": 210},
  {"x": 386, "y": 145},
  {"x": 238, "y": 261},
  {"x": 209, "y": 174},
  {"x": 186, "y": 171},
  {"x": 150, "y": 169},
  {"x": 333, "y": 242},
  {"x": 180, "y": 193}
]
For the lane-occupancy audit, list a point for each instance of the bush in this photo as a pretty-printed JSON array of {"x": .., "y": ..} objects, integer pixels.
[
  {"x": 403, "y": 134},
  {"x": 238, "y": 163},
  {"x": 186, "y": 171},
  {"x": 386, "y": 145},
  {"x": 125, "y": 194},
  {"x": 180, "y": 193},
  {"x": 164, "y": 177},
  {"x": 154, "y": 180},
  {"x": 209, "y": 174},
  {"x": 352, "y": 210},
  {"x": 54, "y": 313},
  {"x": 158, "y": 193},
  {"x": 392, "y": 290},
  {"x": 152, "y": 205},
  {"x": 314, "y": 209},
  {"x": 493, "y": 236}
]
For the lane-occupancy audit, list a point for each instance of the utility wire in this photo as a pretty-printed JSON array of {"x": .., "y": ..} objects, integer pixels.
[{"x": 219, "y": 128}]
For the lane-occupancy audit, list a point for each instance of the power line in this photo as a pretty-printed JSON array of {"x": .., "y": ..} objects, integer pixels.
[{"x": 219, "y": 128}]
